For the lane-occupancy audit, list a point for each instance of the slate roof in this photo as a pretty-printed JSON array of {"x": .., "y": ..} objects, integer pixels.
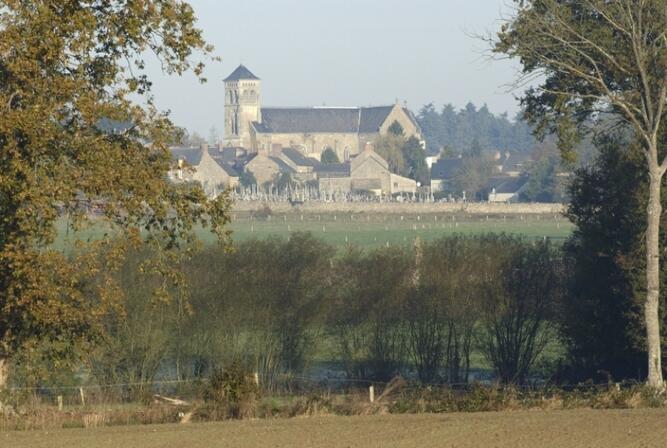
[
  {"x": 240, "y": 73},
  {"x": 371, "y": 118},
  {"x": 308, "y": 120},
  {"x": 333, "y": 169},
  {"x": 191, "y": 155},
  {"x": 505, "y": 185},
  {"x": 299, "y": 159},
  {"x": 301, "y": 120},
  {"x": 515, "y": 161},
  {"x": 445, "y": 169},
  {"x": 282, "y": 166}
]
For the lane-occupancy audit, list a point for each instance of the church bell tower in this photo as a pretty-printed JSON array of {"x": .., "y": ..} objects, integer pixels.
[{"x": 242, "y": 107}]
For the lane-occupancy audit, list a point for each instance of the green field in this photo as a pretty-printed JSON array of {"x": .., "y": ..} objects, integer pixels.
[
  {"x": 383, "y": 229},
  {"x": 368, "y": 230}
]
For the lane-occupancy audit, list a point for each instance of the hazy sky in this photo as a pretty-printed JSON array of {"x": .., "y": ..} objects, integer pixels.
[{"x": 345, "y": 53}]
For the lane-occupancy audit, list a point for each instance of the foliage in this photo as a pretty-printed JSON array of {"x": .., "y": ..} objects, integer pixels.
[
  {"x": 329, "y": 156},
  {"x": 543, "y": 183},
  {"x": 64, "y": 68},
  {"x": 594, "y": 59},
  {"x": 601, "y": 318},
  {"x": 405, "y": 156},
  {"x": 473, "y": 176},
  {"x": 365, "y": 317},
  {"x": 247, "y": 179},
  {"x": 521, "y": 289},
  {"x": 233, "y": 393},
  {"x": 396, "y": 129},
  {"x": 462, "y": 131}
]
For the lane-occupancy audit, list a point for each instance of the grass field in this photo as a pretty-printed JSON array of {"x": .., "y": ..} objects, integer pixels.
[
  {"x": 370, "y": 230},
  {"x": 381, "y": 229},
  {"x": 517, "y": 429}
]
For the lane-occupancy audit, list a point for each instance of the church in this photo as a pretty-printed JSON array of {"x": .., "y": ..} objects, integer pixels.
[{"x": 310, "y": 130}]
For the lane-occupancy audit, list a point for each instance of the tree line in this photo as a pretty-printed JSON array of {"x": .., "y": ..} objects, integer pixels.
[
  {"x": 471, "y": 130},
  {"x": 268, "y": 305}
]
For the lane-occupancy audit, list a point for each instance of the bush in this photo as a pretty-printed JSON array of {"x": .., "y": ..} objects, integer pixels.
[{"x": 230, "y": 393}]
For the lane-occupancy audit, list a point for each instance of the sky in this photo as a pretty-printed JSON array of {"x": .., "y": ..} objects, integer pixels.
[{"x": 345, "y": 53}]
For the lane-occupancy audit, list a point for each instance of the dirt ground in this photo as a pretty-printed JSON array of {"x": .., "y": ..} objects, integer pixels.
[{"x": 543, "y": 429}]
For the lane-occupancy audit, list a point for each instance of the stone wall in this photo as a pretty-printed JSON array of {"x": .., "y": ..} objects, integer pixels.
[
  {"x": 405, "y": 208},
  {"x": 310, "y": 144}
]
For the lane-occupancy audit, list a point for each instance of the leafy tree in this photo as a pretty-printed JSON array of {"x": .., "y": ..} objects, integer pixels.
[
  {"x": 520, "y": 290},
  {"x": 247, "y": 179},
  {"x": 396, "y": 129},
  {"x": 329, "y": 156},
  {"x": 472, "y": 177},
  {"x": 283, "y": 181},
  {"x": 64, "y": 67},
  {"x": 415, "y": 160},
  {"x": 390, "y": 148},
  {"x": 459, "y": 129},
  {"x": 601, "y": 317},
  {"x": 543, "y": 183},
  {"x": 404, "y": 156},
  {"x": 597, "y": 56}
]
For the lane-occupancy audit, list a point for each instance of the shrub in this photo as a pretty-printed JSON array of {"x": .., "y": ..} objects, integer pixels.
[{"x": 230, "y": 393}]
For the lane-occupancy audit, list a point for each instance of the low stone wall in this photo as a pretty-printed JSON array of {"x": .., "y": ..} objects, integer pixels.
[{"x": 405, "y": 208}]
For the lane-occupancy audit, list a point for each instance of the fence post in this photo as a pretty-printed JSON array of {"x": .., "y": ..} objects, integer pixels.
[
  {"x": 257, "y": 379},
  {"x": 60, "y": 402},
  {"x": 371, "y": 394},
  {"x": 83, "y": 397}
]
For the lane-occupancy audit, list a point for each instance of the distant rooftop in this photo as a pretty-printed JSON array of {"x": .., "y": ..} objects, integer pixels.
[
  {"x": 323, "y": 119},
  {"x": 240, "y": 73}
]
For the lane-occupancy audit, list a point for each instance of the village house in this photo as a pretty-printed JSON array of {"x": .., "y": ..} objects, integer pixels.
[
  {"x": 365, "y": 172},
  {"x": 212, "y": 168}
]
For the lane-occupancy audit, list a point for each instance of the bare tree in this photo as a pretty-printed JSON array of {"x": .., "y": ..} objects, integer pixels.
[{"x": 593, "y": 57}]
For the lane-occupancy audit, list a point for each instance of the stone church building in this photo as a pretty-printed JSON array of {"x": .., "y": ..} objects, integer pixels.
[{"x": 310, "y": 130}]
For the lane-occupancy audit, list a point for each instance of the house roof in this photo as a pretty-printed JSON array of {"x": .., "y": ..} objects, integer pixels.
[
  {"x": 299, "y": 159},
  {"x": 333, "y": 169},
  {"x": 446, "y": 168},
  {"x": 282, "y": 166},
  {"x": 505, "y": 185},
  {"x": 297, "y": 120},
  {"x": 240, "y": 73},
  {"x": 193, "y": 156},
  {"x": 190, "y": 155},
  {"x": 516, "y": 160}
]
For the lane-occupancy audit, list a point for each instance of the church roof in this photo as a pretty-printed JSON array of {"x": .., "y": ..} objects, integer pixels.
[
  {"x": 241, "y": 72},
  {"x": 297, "y": 120},
  {"x": 306, "y": 120},
  {"x": 371, "y": 118}
]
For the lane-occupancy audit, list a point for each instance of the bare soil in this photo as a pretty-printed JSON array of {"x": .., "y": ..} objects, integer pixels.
[{"x": 543, "y": 429}]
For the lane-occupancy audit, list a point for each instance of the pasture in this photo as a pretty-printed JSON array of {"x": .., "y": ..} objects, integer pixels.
[
  {"x": 380, "y": 229},
  {"x": 366, "y": 229},
  {"x": 516, "y": 429}
]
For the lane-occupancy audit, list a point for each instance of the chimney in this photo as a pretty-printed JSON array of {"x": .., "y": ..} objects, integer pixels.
[
  {"x": 369, "y": 146},
  {"x": 220, "y": 146}
]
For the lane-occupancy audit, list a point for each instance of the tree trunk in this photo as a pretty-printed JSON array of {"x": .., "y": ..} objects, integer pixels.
[
  {"x": 4, "y": 374},
  {"x": 652, "y": 305}
]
